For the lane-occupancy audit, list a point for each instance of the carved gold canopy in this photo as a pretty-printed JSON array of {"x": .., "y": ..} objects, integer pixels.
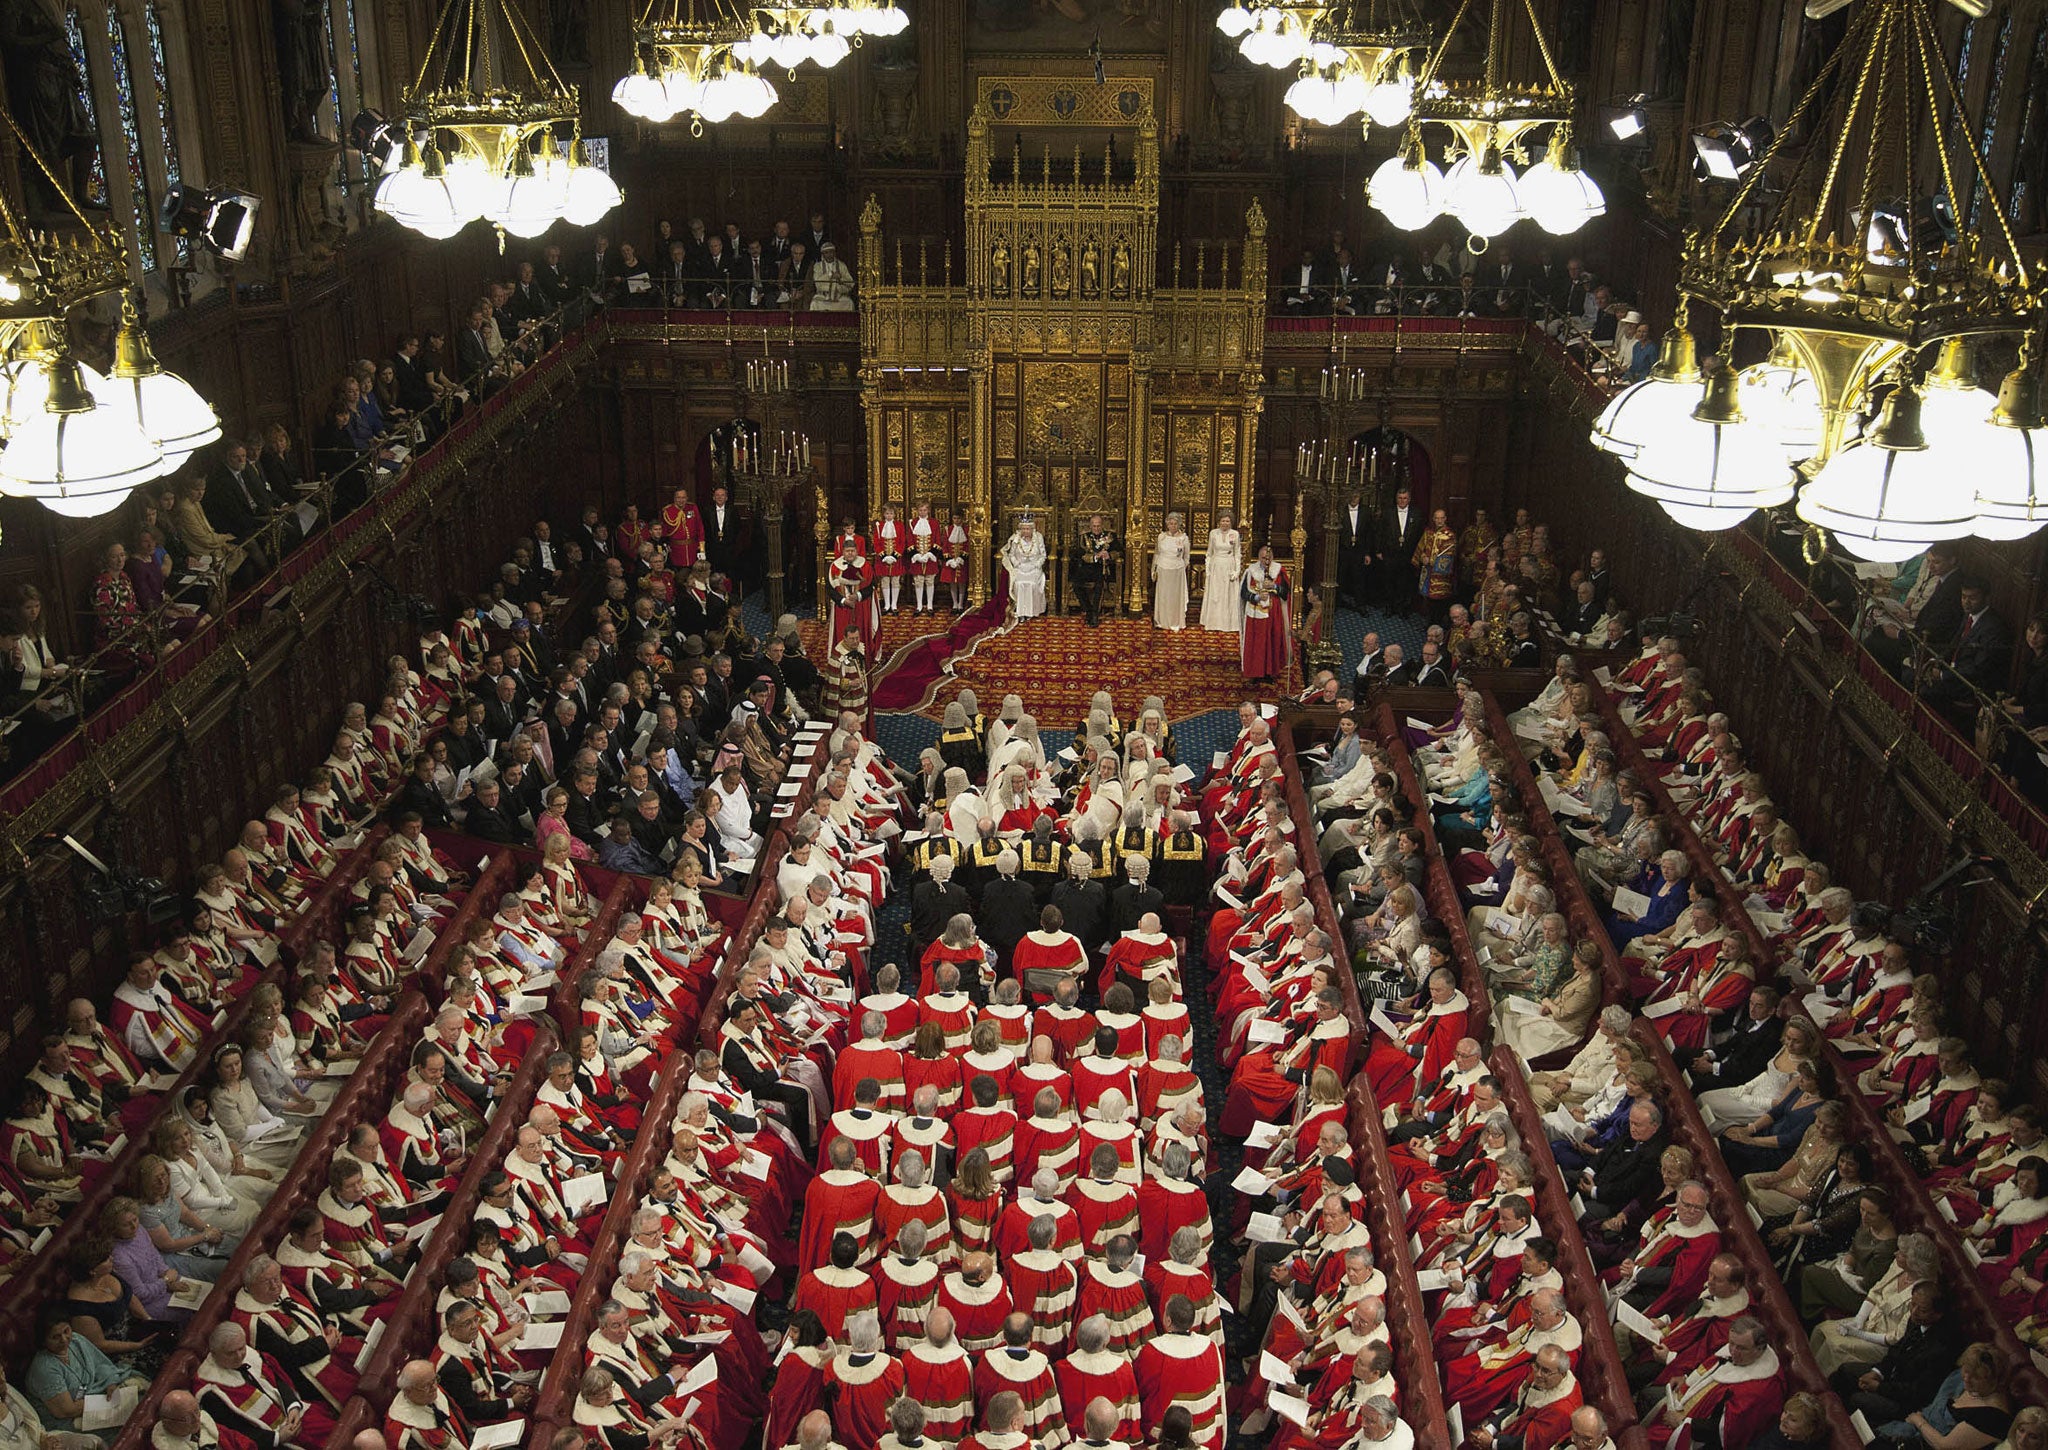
[{"x": 1046, "y": 368}]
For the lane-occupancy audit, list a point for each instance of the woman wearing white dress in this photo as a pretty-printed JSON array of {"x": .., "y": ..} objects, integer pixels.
[
  {"x": 1170, "y": 576},
  {"x": 1222, "y": 570},
  {"x": 1024, "y": 557},
  {"x": 1720, "y": 1107}
]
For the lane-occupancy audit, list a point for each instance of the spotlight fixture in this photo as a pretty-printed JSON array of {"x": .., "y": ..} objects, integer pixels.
[
  {"x": 1900, "y": 229},
  {"x": 376, "y": 138},
  {"x": 220, "y": 219},
  {"x": 1631, "y": 120},
  {"x": 1726, "y": 150}
]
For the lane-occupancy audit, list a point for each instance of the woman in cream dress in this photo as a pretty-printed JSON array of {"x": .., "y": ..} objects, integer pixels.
[
  {"x": 1170, "y": 575},
  {"x": 1024, "y": 557},
  {"x": 1222, "y": 569}
]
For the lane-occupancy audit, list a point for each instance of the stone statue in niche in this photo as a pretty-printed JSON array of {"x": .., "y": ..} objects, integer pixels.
[
  {"x": 1091, "y": 269},
  {"x": 999, "y": 269},
  {"x": 1674, "y": 49},
  {"x": 569, "y": 31},
  {"x": 1120, "y": 271},
  {"x": 1062, "y": 270},
  {"x": 1033, "y": 264},
  {"x": 47, "y": 97},
  {"x": 304, "y": 73}
]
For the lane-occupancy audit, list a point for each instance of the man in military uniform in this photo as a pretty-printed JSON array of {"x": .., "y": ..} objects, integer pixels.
[{"x": 1094, "y": 566}]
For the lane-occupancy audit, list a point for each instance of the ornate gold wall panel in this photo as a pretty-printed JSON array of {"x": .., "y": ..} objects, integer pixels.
[{"x": 1053, "y": 350}]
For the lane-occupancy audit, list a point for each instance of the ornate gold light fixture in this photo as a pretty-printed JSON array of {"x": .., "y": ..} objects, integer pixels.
[
  {"x": 75, "y": 441},
  {"x": 693, "y": 61},
  {"x": 481, "y": 121},
  {"x": 1491, "y": 124},
  {"x": 1358, "y": 61},
  {"x": 1875, "y": 282}
]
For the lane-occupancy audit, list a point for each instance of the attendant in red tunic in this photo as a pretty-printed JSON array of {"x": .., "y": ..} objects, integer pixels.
[
  {"x": 683, "y": 527},
  {"x": 851, "y": 582},
  {"x": 889, "y": 546},
  {"x": 861, "y": 1384},
  {"x": 1185, "y": 1369}
]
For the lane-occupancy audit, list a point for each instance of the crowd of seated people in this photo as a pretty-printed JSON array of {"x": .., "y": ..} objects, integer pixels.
[
  {"x": 720, "y": 268},
  {"x": 1782, "y": 1010},
  {"x": 216, "y": 527}
]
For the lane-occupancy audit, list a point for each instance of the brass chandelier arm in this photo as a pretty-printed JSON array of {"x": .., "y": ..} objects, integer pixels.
[
  {"x": 1543, "y": 48},
  {"x": 1443, "y": 48},
  {"x": 1930, "y": 44}
]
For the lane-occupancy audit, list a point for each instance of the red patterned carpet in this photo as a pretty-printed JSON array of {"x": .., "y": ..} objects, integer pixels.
[{"x": 1057, "y": 664}]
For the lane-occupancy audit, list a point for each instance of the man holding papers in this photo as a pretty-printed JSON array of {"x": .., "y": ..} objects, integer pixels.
[{"x": 474, "y": 1373}]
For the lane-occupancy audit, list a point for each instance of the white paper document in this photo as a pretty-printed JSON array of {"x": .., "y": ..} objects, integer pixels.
[
  {"x": 1665, "y": 1008},
  {"x": 1630, "y": 904},
  {"x": 1263, "y": 1032},
  {"x": 1428, "y": 1280},
  {"x": 1265, "y": 1228},
  {"x": 733, "y": 1294},
  {"x": 541, "y": 1334},
  {"x": 1274, "y": 1369},
  {"x": 1264, "y": 1135},
  {"x": 1637, "y": 1323},
  {"x": 1253, "y": 1182},
  {"x": 702, "y": 1373},
  {"x": 501, "y": 1436},
  {"x": 580, "y": 1195},
  {"x": 1291, "y": 1408},
  {"x": 547, "y": 1303}
]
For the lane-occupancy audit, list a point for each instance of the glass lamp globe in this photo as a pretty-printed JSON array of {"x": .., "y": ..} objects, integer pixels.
[
  {"x": 1390, "y": 102},
  {"x": 1707, "y": 518},
  {"x": 86, "y": 505},
  {"x": 73, "y": 449},
  {"x": 1888, "y": 495},
  {"x": 1350, "y": 92},
  {"x": 1711, "y": 463},
  {"x": 1407, "y": 190},
  {"x": 473, "y": 190},
  {"x": 168, "y": 410},
  {"x": 644, "y": 95},
  {"x": 590, "y": 195},
  {"x": 1235, "y": 21},
  {"x": 1782, "y": 397},
  {"x": 1314, "y": 99},
  {"x": 887, "y": 20},
  {"x": 25, "y": 387},
  {"x": 1559, "y": 196},
  {"x": 829, "y": 48},
  {"x": 1480, "y": 192},
  {"x": 2012, "y": 487},
  {"x": 790, "y": 49},
  {"x": 753, "y": 94},
  {"x": 1641, "y": 412}
]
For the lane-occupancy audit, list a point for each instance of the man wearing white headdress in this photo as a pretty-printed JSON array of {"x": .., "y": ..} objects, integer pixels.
[{"x": 1024, "y": 557}]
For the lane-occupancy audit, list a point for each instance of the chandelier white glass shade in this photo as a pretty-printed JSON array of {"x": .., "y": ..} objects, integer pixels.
[
  {"x": 1707, "y": 470},
  {"x": 1407, "y": 189},
  {"x": 1279, "y": 37},
  {"x": 1490, "y": 180},
  {"x": 2012, "y": 494},
  {"x": 1480, "y": 191},
  {"x": 74, "y": 457},
  {"x": 167, "y": 409},
  {"x": 1853, "y": 260},
  {"x": 1645, "y": 411},
  {"x": 1889, "y": 494},
  {"x": 480, "y": 121},
  {"x": 1235, "y": 21},
  {"x": 699, "y": 58}
]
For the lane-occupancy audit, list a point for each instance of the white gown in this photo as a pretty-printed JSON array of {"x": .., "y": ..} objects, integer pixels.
[
  {"x": 1170, "y": 573},
  {"x": 1222, "y": 570},
  {"x": 1025, "y": 559}
]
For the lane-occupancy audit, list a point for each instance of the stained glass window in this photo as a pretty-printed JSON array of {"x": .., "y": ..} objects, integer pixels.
[
  {"x": 96, "y": 183},
  {"x": 167, "y": 125},
  {"x": 124, "y": 103},
  {"x": 345, "y": 57}
]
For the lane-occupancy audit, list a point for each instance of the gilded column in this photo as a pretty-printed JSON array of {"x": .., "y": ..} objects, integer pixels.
[
  {"x": 980, "y": 505},
  {"x": 1138, "y": 478}
]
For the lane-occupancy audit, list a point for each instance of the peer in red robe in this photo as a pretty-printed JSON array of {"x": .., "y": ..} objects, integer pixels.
[
  {"x": 938, "y": 1374},
  {"x": 860, "y": 1385},
  {"x": 976, "y": 1301},
  {"x": 1095, "y": 1371},
  {"x": 839, "y": 1200},
  {"x": 1181, "y": 1367}
]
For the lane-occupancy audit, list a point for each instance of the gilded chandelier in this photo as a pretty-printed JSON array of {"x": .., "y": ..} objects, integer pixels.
[{"x": 1876, "y": 283}]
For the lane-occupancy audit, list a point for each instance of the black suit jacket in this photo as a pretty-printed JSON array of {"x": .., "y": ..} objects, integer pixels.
[
  {"x": 1983, "y": 656},
  {"x": 413, "y": 393},
  {"x": 238, "y": 509},
  {"x": 1625, "y": 1167},
  {"x": 1085, "y": 905},
  {"x": 1401, "y": 674},
  {"x": 1009, "y": 908},
  {"x": 1396, "y": 542},
  {"x": 1750, "y": 1050},
  {"x": 932, "y": 906},
  {"x": 1359, "y": 538},
  {"x": 1435, "y": 676},
  {"x": 472, "y": 353},
  {"x": 1939, "y": 618},
  {"x": 1577, "y": 618}
]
